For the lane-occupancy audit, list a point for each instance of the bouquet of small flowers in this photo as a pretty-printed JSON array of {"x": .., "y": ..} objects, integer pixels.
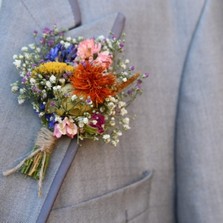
[{"x": 78, "y": 87}]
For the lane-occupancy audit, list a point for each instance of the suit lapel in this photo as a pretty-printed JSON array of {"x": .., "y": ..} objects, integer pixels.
[
  {"x": 115, "y": 24},
  {"x": 19, "y": 124}
]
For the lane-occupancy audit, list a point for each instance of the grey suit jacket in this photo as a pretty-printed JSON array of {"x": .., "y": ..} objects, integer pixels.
[{"x": 177, "y": 133}]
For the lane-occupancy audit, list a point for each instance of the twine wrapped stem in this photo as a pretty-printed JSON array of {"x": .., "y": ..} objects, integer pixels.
[{"x": 35, "y": 164}]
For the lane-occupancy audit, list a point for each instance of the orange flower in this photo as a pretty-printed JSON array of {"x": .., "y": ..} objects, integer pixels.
[{"x": 90, "y": 80}]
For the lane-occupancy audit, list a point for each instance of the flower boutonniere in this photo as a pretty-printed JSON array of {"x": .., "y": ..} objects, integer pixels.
[{"x": 78, "y": 87}]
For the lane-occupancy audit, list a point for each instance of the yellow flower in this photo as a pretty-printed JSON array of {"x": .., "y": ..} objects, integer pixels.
[{"x": 55, "y": 68}]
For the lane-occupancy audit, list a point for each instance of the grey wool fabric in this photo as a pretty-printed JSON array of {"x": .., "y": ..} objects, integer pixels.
[{"x": 167, "y": 168}]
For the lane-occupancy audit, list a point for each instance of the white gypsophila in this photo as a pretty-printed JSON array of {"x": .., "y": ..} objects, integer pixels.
[
  {"x": 32, "y": 81},
  {"x": 58, "y": 87},
  {"x": 112, "y": 122},
  {"x": 24, "y": 48},
  {"x": 85, "y": 120},
  {"x": 53, "y": 79},
  {"x": 127, "y": 61},
  {"x": 23, "y": 73},
  {"x": 21, "y": 99},
  {"x": 96, "y": 138},
  {"x": 44, "y": 94},
  {"x": 41, "y": 114},
  {"x": 101, "y": 37},
  {"x": 62, "y": 80},
  {"x": 109, "y": 43},
  {"x": 113, "y": 99},
  {"x": 107, "y": 138},
  {"x": 124, "y": 79},
  {"x": 40, "y": 76},
  {"x": 54, "y": 88},
  {"x": 48, "y": 84},
  {"x": 21, "y": 56},
  {"x": 32, "y": 46},
  {"x": 73, "y": 97},
  {"x": 80, "y": 38},
  {"x": 27, "y": 56},
  {"x": 15, "y": 56},
  {"x": 81, "y": 124},
  {"x": 22, "y": 90},
  {"x": 121, "y": 104},
  {"x": 125, "y": 120},
  {"x": 126, "y": 127},
  {"x": 57, "y": 118},
  {"x": 17, "y": 63},
  {"x": 14, "y": 88},
  {"x": 123, "y": 111},
  {"x": 61, "y": 42},
  {"x": 111, "y": 105},
  {"x": 119, "y": 133},
  {"x": 35, "y": 107},
  {"x": 123, "y": 66},
  {"x": 102, "y": 109},
  {"x": 115, "y": 142},
  {"x": 68, "y": 38},
  {"x": 74, "y": 40},
  {"x": 38, "y": 49},
  {"x": 66, "y": 45}
]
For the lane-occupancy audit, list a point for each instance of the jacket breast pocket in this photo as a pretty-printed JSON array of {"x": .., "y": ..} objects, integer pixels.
[{"x": 127, "y": 204}]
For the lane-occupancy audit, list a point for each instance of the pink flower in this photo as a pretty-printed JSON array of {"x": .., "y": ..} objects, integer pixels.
[
  {"x": 66, "y": 127},
  {"x": 104, "y": 58},
  {"x": 87, "y": 48}
]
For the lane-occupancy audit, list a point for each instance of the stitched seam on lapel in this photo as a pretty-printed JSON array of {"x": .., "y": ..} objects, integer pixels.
[
  {"x": 193, "y": 36},
  {"x": 144, "y": 178}
]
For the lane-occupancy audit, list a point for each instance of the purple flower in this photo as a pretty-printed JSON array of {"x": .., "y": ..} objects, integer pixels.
[
  {"x": 145, "y": 75},
  {"x": 52, "y": 103},
  {"x": 98, "y": 121},
  {"x": 132, "y": 68},
  {"x": 139, "y": 84},
  {"x": 36, "y": 89},
  {"x": 130, "y": 91},
  {"x": 46, "y": 30},
  {"x": 35, "y": 32},
  {"x": 121, "y": 45},
  {"x": 24, "y": 80},
  {"x": 50, "y": 43}
]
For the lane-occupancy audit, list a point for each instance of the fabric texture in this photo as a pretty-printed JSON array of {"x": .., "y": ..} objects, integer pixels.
[
  {"x": 19, "y": 124},
  {"x": 199, "y": 152},
  {"x": 177, "y": 133}
]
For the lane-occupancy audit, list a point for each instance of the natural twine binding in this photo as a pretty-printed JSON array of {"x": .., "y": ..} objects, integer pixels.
[{"x": 45, "y": 143}]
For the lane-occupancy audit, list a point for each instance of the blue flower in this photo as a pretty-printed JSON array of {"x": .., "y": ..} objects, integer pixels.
[
  {"x": 42, "y": 107},
  {"x": 62, "y": 54},
  {"x": 51, "y": 120},
  {"x": 54, "y": 52}
]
